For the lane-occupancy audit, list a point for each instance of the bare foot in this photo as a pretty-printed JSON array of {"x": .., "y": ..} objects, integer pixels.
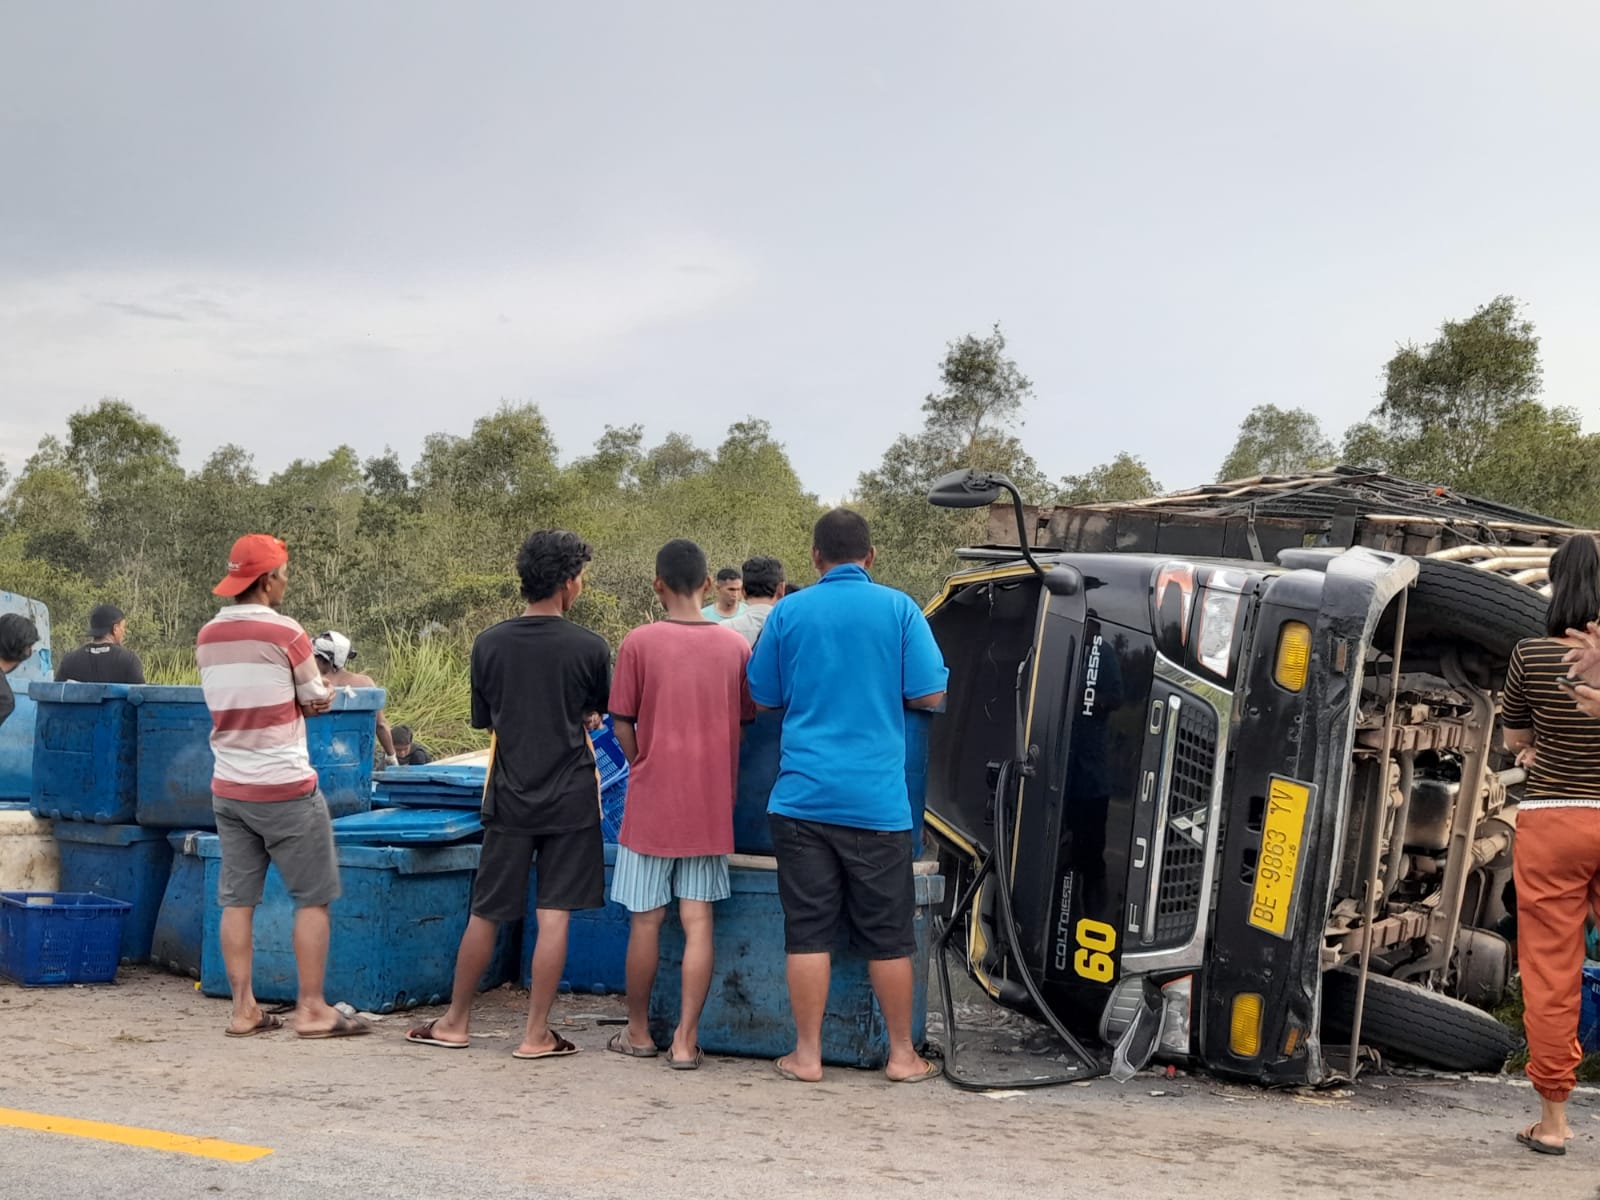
[
  {"x": 544, "y": 1045},
  {"x": 1556, "y": 1139},
  {"x": 246, "y": 1023},
  {"x": 437, "y": 1033}
]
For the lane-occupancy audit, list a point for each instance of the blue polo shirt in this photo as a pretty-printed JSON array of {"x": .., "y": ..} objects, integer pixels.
[{"x": 841, "y": 659}]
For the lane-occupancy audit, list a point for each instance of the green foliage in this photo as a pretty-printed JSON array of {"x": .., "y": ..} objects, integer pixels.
[
  {"x": 1464, "y": 411},
  {"x": 1277, "y": 441},
  {"x": 1125, "y": 477},
  {"x": 972, "y": 422}
]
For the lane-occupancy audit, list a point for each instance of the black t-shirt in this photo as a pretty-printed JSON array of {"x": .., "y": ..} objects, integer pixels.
[
  {"x": 100, "y": 662},
  {"x": 533, "y": 679},
  {"x": 419, "y": 757},
  {"x": 8, "y": 702}
]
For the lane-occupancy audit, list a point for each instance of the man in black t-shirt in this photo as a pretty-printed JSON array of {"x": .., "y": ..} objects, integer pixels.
[
  {"x": 538, "y": 683},
  {"x": 409, "y": 752},
  {"x": 103, "y": 659}
]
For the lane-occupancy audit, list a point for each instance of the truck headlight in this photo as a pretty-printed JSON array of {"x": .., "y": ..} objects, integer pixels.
[
  {"x": 1218, "y": 613},
  {"x": 1176, "y": 999}
]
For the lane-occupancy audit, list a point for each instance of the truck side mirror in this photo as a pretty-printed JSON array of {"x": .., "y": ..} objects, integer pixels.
[{"x": 967, "y": 489}]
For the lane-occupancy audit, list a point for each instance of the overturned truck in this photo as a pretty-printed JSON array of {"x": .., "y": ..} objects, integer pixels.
[{"x": 1221, "y": 779}]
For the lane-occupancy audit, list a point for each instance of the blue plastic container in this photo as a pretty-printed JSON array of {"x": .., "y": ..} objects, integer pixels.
[
  {"x": 608, "y": 755},
  {"x": 406, "y": 827},
  {"x": 396, "y": 928},
  {"x": 126, "y": 862},
  {"x": 175, "y": 943},
  {"x": 455, "y": 785},
  {"x": 597, "y": 941},
  {"x": 84, "y": 752},
  {"x": 747, "y": 1012},
  {"x": 175, "y": 763},
  {"x": 1589, "y": 1013},
  {"x": 759, "y": 756},
  {"x": 52, "y": 938}
]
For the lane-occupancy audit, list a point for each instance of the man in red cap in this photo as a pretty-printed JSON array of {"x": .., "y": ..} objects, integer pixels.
[{"x": 261, "y": 682}]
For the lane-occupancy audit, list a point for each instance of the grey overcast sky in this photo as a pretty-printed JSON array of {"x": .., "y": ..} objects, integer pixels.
[{"x": 293, "y": 225}]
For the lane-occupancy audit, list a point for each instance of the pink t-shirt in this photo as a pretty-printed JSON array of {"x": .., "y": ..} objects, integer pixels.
[{"x": 682, "y": 684}]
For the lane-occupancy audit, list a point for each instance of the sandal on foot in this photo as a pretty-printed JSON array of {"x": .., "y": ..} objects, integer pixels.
[
  {"x": 423, "y": 1036},
  {"x": 267, "y": 1024},
  {"x": 561, "y": 1049},
  {"x": 346, "y": 1027},
  {"x": 619, "y": 1044},
  {"x": 786, "y": 1073},
  {"x": 1527, "y": 1138},
  {"x": 686, "y": 1064},
  {"x": 930, "y": 1070}
]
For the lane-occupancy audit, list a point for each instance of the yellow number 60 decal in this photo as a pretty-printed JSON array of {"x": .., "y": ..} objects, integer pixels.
[{"x": 1096, "y": 941}]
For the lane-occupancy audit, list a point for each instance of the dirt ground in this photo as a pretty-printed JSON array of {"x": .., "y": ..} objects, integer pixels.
[{"x": 377, "y": 1117}]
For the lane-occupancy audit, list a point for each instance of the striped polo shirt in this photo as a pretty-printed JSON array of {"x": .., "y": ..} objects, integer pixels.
[
  {"x": 256, "y": 669},
  {"x": 1566, "y": 742}
]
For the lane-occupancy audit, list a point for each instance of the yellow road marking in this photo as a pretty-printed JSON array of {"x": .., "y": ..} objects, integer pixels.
[{"x": 130, "y": 1135}]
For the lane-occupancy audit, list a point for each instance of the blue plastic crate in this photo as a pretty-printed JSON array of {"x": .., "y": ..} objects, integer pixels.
[
  {"x": 1589, "y": 1012},
  {"x": 84, "y": 752},
  {"x": 175, "y": 944},
  {"x": 608, "y": 755},
  {"x": 597, "y": 941},
  {"x": 406, "y": 827},
  {"x": 53, "y": 938},
  {"x": 747, "y": 1011},
  {"x": 175, "y": 763},
  {"x": 126, "y": 862},
  {"x": 396, "y": 928},
  {"x": 457, "y": 785}
]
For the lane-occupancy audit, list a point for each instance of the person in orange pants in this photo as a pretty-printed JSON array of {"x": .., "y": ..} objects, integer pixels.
[{"x": 1556, "y": 857}]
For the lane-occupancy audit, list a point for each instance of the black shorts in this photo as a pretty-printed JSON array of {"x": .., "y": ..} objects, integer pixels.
[
  {"x": 572, "y": 872},
  {"x": 826, "y": 872}
]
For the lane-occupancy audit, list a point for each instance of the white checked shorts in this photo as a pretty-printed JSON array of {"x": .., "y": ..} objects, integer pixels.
[{"x": 644, "y": 882}]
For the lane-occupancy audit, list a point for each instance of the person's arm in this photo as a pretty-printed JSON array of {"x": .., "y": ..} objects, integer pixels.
[
  {"x": 386, "y": 740},
  {"x": 923, "y": 675},
  {"x": 627, "y": 737},
  {"x": 1516, "y": 715},
  {"x": 314, "y": 695},
  {"x": 482, "y": 713}
]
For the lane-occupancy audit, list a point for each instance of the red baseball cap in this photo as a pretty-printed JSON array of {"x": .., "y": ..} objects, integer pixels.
[{"x": 252, "y": 556}]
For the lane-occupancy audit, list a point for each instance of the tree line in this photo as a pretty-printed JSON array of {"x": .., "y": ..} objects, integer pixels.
[{"x": 399, "y": 555}]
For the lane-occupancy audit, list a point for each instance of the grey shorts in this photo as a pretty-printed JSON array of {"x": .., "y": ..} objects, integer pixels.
[{"x": 295, "y": 835}]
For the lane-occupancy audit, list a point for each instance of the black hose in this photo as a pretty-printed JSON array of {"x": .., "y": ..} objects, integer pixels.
[{"x": 997, "y": 861}]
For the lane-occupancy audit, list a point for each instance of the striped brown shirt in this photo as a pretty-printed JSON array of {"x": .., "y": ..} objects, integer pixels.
[{"x": 1566, "y": 742}]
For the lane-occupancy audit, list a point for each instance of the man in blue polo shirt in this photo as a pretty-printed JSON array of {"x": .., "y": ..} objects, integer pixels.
[{"x": 844, "y": 660}]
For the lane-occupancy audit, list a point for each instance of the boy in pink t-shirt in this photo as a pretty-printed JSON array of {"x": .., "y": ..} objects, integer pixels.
[{"x": 678, "y": 702}]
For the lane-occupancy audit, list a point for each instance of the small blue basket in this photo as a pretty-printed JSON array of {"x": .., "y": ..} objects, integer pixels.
[
  {"x": 1589, "y": 1012},
  {"x": 53, "y": 938},
  {"x": 608, "y": 756}
]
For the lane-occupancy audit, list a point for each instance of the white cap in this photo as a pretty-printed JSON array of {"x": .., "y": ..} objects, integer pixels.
[{"x": 334, "y": 647}]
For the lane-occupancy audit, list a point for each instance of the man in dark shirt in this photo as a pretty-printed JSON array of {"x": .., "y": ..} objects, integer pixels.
[
  {"x": 537, "y": 681},
  {"x": 103, "y": 658},
  {"x": 407, "y": 751}
]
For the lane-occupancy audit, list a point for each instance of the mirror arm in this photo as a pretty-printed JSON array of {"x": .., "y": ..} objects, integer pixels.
[{"x": 1022, "y": 532}]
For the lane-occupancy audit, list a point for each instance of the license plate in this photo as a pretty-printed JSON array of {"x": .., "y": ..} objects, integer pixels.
[{"x": 1279, "y": 859}]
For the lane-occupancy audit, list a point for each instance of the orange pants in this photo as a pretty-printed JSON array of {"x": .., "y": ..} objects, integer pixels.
[{"x": 1557, "y": 864}]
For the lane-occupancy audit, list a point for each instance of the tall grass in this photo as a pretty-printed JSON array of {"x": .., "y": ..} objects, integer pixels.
[
  {"x": 430, "y": 689},
  {"x": 172, "y": 665}
]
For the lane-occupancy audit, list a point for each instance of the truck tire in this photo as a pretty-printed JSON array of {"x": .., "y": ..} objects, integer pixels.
[
  {"x": 1411, "y": 1022},
  {"x": 1459, "y": 603}
]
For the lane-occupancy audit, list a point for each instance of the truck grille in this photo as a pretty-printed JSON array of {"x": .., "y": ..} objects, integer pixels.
[{"x": 1183, "y": 858}]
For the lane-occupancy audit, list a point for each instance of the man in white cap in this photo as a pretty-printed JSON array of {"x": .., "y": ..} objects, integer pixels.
[{"x": 334, "y": 652}]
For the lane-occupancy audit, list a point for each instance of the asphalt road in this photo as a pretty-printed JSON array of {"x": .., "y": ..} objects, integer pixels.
[{"x": 375, "y": 1117}]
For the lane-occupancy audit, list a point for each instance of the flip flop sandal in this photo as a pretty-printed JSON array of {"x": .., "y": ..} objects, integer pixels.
[
  {"x": 267, "y": 1024},
  {"x": 932, "y": 1071},
  {"x": 347, "y": 1027},
  {"x": 422, "y": 1035},
  {"x": 562, "y": 1049},
  {"x": 618, "y": 1043},
  {"x": 1532, "y": 1143},
  {"x": 786, "y": 1073},
  {"x": 687, "y": 1064}
]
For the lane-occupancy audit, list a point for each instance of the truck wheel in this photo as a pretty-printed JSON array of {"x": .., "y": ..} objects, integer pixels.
[
  {"x": 1412, "y": 1022},
  {"x": 1459, "y": 603}
]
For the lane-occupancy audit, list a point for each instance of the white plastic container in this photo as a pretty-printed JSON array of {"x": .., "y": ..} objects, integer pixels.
[{"x": 29, "y": 859}]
